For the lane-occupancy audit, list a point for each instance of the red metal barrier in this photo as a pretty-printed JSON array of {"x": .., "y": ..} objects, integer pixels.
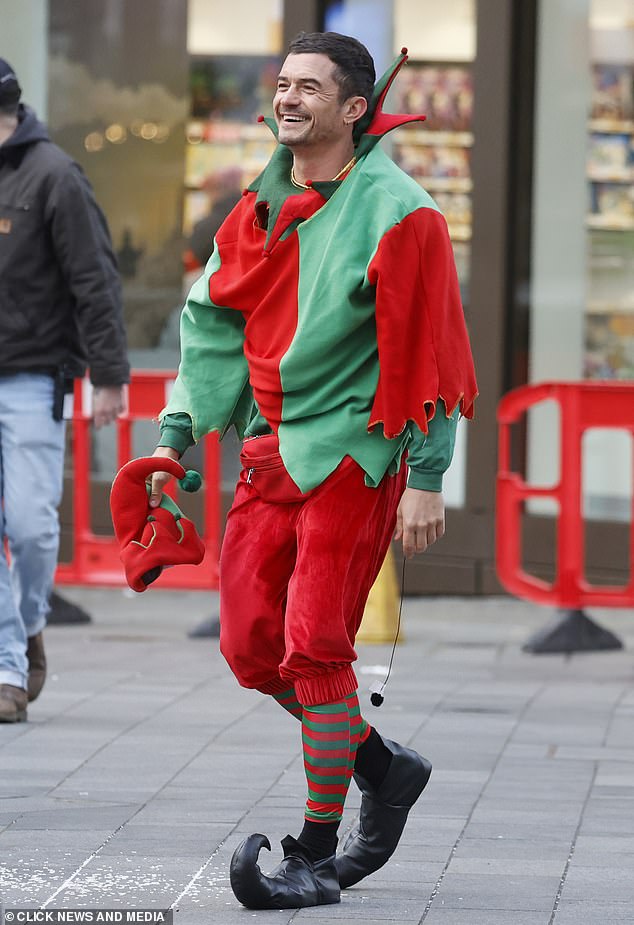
[
  {"x": 96, "y": 558},
  {"x": 582, "y": 405}
]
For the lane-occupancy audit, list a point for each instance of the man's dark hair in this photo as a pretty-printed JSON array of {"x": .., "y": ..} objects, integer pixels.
[
  {"x": 9, "y": 109},
  {"x": 354, "y": 67},
  {"x": 10, "y": 90}
]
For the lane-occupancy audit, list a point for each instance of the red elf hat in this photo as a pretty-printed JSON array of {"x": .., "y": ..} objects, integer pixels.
[{"x": 152, "y": 538}]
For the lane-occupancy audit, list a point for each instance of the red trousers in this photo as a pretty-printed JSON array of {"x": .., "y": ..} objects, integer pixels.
[{"x": 294, "y": 580}]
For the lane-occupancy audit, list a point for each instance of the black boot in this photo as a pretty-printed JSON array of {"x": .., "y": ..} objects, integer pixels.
[
  {"x": 383, "y": 814},
  {"x": 297, "y": 882}
]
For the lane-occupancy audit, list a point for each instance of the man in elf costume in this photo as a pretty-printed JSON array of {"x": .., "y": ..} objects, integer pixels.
[{"x": 327, "y": 328}]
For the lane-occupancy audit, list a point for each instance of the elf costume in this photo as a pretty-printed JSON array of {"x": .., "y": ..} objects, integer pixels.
[{"x": 328, "y": 329}]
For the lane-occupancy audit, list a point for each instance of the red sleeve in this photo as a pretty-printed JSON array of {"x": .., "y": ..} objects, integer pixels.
[{"x": 424, "y": 350}]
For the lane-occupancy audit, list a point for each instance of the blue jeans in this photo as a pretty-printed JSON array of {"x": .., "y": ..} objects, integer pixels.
[{"x": 31, "y": 473}]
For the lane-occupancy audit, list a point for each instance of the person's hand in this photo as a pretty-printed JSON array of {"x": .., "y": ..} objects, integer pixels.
[
  {"x": 160, "y": 479},
  {"x": 108, "y": 401},
  {"x": 420, "y": 520}
]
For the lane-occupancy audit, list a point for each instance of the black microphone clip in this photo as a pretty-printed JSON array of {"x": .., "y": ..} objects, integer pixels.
[{"x": 376, "y": 693}]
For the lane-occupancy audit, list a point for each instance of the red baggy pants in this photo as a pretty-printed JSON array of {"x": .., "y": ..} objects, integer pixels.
[{"x": 294, "y": 580}]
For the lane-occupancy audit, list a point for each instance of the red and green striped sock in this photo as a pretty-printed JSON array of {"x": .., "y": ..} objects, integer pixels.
[
  {"x": 360, "y": 727},
  {"x": 328, "y": 764},
  {"x": 330, "y": 736},
  {"x": 288, "y": 700}
]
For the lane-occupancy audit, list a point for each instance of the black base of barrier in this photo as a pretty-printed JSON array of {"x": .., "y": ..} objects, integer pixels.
[
  {"x": 208, "y": 629},
  {"x": 65, "y": 612},
  {"x": 573, "y": 631}
]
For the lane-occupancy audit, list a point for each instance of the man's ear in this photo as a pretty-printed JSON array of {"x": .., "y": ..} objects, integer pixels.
[{"x": 354, "y": 108}]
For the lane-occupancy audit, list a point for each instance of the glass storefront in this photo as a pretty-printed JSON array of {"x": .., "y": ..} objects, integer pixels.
[
  {"x": 609, "y": 324},
  {"x": 582, "y": 309},
  {"x": 609, "y": 316},
  {"x": 118, "y": 105},
  {"x": 232, "y": 77}
]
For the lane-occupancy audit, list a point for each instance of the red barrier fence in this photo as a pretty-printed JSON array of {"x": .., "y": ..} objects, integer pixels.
[
  {"x": 96, "y": 558},
  {"x": 582, "y": 405}
]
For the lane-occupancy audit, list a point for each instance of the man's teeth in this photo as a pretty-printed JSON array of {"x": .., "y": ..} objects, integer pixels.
[{"x": 294, "y": 118}]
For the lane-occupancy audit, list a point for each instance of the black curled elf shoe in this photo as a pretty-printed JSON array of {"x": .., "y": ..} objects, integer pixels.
[
  {"x": 383, "y": 814},
  {"x": 297, "y": 882}
]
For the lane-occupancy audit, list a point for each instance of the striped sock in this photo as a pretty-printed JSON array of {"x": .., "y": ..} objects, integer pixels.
[
  {"x": 330, "y": 736},
  {"x": 288, "y": 700},
  {"x": 361, "y": 729}
]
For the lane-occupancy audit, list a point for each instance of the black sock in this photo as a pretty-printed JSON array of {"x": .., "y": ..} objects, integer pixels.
[
  {"x": 319, "y": 839},
  {"x": 373, "y": 759}
]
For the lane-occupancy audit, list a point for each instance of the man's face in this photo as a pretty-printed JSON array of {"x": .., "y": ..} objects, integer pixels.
[{"x": 306, "y": 104}]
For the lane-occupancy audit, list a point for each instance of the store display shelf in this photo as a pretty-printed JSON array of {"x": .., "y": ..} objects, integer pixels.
[
  {"x": 600, "y": 307},
  {"x": 611, "y": 126},
  {"x": 610, "y": 222},
  {"x": 459, "y": 232},
  {"x": 611, "y": 176},
  {"x": 249, "y": 168},
  {"x": 226, "y": 132},
  {"x": 408, "y": 135},
  {"x": 446, "y": 184}
]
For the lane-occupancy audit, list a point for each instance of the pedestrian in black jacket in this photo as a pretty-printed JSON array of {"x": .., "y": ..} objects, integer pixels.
[{"x": 60, "y": 311}]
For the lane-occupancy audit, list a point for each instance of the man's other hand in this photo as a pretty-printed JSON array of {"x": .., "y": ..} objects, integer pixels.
[
  {"x": 108, "y": 402},
  {"x": 420, "y": 520}
]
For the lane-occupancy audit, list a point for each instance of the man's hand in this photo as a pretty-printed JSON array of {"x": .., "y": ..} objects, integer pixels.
[
  {"x": 420, "y": 520},
  {"x": 160, "y": 479},
  {"x": 108, "y": 402}
]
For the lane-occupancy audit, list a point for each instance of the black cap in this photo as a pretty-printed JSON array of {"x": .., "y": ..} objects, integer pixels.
[{"x": 10, "y": 89}]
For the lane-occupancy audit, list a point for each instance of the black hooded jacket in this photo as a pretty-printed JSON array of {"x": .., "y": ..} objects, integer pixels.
[{"x": 60, "y": 292}]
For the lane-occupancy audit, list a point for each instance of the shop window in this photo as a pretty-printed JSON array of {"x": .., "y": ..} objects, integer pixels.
[
  {"x": 609, "y": 328},
  {"x": 235, "y": 55},
  {"x": 582, "y": 285},
  {"x": 438, "y": 154},
  {"x": 438, "y": 82},
  {"x": 608, "y": 335}
]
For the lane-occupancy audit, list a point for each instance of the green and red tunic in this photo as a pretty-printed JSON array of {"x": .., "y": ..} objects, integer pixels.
[{"x": 337, "y": 310}]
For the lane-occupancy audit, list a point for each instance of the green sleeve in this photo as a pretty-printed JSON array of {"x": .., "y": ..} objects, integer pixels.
[
  {"x": 176, "y": 432},
  {"x": 212, "y": 387},
  {"x": 429, "y": 455}
]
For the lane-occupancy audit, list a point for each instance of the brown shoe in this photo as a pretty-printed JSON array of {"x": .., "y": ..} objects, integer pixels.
[
  {"x": 37, "y": 665},
  {"x": 13, "y": 702}
]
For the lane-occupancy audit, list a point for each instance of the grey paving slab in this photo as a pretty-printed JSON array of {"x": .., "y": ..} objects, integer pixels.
[
  {"x": 606, "y": 844},
  {"x": 532, "y": 833},
  {"x": 444, "y": 915},
  {"x": 520, "y": 850},
  {"x": 310, "y": 916},
  {"x": 64, "y": 818},
  {"x": 594, "y": 913},
  {"x": 512, "y": 814},
  {"x": 133, "y": 881},
  {"x": 513, "y": 894},
  {"x": 594, "y": 884},
  {"x": 522, "y": 867},
  {"x": 615, "y": 860}
]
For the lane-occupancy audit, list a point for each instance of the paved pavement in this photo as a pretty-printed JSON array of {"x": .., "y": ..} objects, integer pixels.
[{"x": 143, "y": 765}]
